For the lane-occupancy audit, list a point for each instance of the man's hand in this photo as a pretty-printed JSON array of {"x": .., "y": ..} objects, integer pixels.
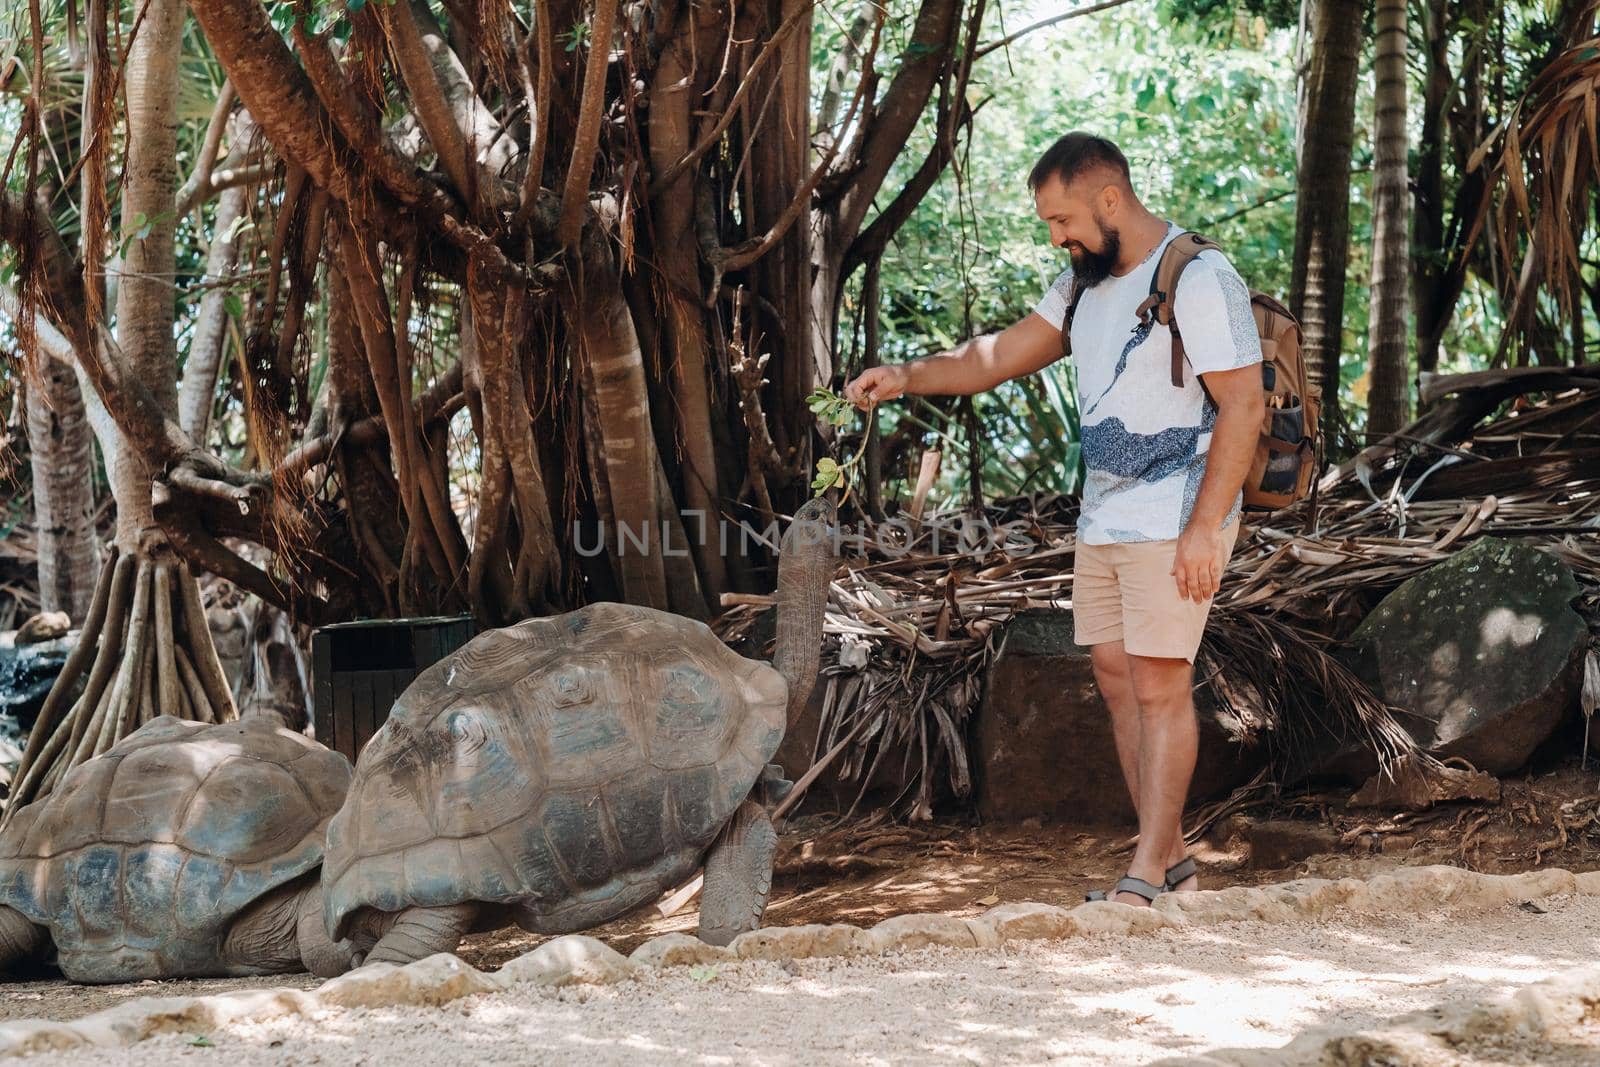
[
  {"x": 877, "y": 384},
  {"x": 1198, "y": 566}
]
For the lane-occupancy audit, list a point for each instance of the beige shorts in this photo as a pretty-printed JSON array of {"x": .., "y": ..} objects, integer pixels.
[{"x": 1126, "y": 592}]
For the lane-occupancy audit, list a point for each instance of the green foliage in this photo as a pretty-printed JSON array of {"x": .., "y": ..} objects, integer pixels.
[
  {"x": 831, "y": 408},
  {"x": 575, "y": 38}
]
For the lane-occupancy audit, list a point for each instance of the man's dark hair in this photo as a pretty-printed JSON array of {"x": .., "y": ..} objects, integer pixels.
[{"x": 1075, "y": 155}]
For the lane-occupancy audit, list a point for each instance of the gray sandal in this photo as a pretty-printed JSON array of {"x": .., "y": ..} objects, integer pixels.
[
  {"x": 1181, "y": 871},
  {"x": 1175, "y": 875},
  {"x": 1129, "y": 884}
]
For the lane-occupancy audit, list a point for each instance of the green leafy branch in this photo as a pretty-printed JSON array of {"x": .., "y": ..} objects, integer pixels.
[{"x": 835, "y": 410}]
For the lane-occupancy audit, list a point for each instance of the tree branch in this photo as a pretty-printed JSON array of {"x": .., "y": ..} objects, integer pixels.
[
  {"x": 884, "y": 136},
  {"x": 575, "y": 194},
  {"x": 750, "y": 251},
  {"x": 455, "y": 120},
  {"x": 279, "y": 95},
  {"x": 876, "y": 237},
  {"x": 707, "y": 142},
  {"x": 205, "y": 552},
  {"x": 1051, "y": 21},
  {"x": 190, "y": 193},
  {"x": 539, "y": 101}
]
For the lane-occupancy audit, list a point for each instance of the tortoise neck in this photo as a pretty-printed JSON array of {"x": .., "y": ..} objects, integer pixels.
[{"x": 805, "y": 569}]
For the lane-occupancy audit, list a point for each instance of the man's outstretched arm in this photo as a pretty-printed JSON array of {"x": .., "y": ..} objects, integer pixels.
[{"x": 971, "y": 367}]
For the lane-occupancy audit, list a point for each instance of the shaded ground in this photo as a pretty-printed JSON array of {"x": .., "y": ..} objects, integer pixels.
[
  {"x": 1100, "y": 1000},
  {"x": 865, "y": 871}
]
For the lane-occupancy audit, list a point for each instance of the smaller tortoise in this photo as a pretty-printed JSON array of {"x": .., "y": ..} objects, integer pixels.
[
  {"x": 562, "y": 771},
  {"x": 188, "y": 850}
]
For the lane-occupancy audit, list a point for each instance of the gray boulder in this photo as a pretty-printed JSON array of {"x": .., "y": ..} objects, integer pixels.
[{"x": 1484, "y": 652}]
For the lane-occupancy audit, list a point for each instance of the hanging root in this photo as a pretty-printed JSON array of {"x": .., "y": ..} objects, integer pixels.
[{"x": 148, "y": 652}]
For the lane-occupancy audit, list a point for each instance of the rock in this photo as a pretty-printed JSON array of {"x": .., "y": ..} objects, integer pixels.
[
  {"x": 1483, "y": 651},
  {"x": 27, "y": 671},
  {"x": 10, "y": 759},
  {"x": 679, "y": 950},
  {"x": 45, "y": 626},
  {"x": 570, "y": 959},
  {"x": 1028, "y": 921},
  {"x": 1285, "y": 842},
  {"x": 802, "y": 942},
  {"x": 232, "y": 640},
  {"x": 432, "y": 980},
  {"x": 1415, "y": 787},
  {"x": 907, "y": 932},
  {"x": 1044, "y": 742}
]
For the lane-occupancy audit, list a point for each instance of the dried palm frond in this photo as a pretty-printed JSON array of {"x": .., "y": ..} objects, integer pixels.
[
  {"x": 1302, "y": 702},
  {"x": 1547, "y": 155}
]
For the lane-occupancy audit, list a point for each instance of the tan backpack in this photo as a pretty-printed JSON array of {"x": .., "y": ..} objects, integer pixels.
[{"x": 1290, "y": 445}]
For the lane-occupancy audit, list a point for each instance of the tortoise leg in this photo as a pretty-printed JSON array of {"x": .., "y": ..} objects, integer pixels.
[
  {"x": 20, "y": 940},
  {"x": 738, "y": 875},
  {"x": 420, "y": 932},
  {"x": 321, "y": 954}
]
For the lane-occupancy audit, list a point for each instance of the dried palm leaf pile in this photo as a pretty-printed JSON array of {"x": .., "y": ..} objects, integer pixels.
[{"x": 914, "y": 617}]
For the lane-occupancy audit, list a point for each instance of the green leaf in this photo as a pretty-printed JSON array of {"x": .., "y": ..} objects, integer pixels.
[{"x": 233, "y": 305}]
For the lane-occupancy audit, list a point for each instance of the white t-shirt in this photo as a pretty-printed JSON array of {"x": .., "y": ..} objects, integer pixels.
[{"x": 1144, "y": 439}]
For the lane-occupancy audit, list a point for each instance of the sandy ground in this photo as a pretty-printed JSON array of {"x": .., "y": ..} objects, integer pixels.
[{"x": 1092, "y": 1000}]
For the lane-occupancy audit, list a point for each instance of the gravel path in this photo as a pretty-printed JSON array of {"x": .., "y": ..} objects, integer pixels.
[{"x": 1090, "y": 1000}]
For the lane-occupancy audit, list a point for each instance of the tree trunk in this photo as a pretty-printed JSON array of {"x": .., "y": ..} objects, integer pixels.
[
  {"x": 1388, "y": 403},
  {"x": 681, "y": 297},
  {"x": 206, "y": 345},
  {"x": 1433, "y": 300},
  {"x": 613, "y": 371},
  {"x": 61, "y": 450},
  {"x": 146, "y": 295},
  {"x": 1322, "y": 211},
  {"x": 146, "y": 632}
]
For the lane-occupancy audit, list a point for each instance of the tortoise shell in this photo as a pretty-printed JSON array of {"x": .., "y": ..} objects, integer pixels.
[
  {"x": 140, "y": 859},
  {"x": 570, "y": 767}
]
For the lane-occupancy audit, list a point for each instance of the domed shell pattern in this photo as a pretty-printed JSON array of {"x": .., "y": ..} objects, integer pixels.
[
  {"x": 568, "y": 766},
  {"x": 141, "y": 858}
]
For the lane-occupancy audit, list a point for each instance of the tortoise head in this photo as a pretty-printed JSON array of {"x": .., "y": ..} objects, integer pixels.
[{"x": 806, "y": 562}]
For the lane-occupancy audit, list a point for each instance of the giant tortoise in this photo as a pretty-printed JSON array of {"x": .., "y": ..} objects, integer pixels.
[
  {"x": 187, "y": 850},
  {"x": 564, "y": 770}
]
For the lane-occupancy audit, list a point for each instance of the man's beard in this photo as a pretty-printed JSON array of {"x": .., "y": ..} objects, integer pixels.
[{"x": 1092, "y": 268}]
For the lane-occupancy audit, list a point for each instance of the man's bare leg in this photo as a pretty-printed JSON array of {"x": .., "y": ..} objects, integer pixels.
[{"x": 1114, "y": 673}]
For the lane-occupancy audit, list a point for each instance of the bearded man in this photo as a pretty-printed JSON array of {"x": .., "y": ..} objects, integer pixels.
[{"x": 1165, "y": 463}]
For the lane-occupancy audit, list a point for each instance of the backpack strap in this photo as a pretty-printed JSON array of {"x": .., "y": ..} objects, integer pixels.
[
  {"x": 1181, "y": 252},
  {"x": 1075, "y": 297}
]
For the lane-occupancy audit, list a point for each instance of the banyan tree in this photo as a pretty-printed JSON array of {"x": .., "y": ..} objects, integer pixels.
[{"x": 506, "y": 306}]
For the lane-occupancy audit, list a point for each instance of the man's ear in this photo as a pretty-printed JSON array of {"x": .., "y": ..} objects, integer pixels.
[{"x": 1110, "y": 201}]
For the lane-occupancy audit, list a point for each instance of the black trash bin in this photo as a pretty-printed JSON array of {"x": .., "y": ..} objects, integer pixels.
[{"x": 359, "y": 668}]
